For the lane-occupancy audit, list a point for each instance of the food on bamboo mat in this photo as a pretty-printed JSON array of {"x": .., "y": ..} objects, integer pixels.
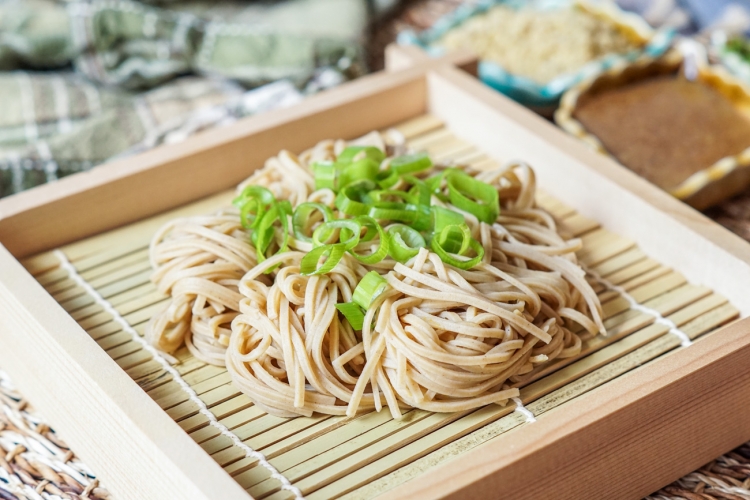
[
  {"x": 361, "y": 274},
  {"x": 539, "y": 44},
  {"x": 665, "y": 128}
]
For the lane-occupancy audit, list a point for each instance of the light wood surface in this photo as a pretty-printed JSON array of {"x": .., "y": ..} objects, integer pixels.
[
  {"x": 702, "y": 257},
  {"x": 363, "y": 457},
  {"x": 95, "y": 407}
]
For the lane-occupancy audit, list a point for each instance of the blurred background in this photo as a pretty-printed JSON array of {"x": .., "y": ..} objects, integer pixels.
[{"x": 82, "y": 82}]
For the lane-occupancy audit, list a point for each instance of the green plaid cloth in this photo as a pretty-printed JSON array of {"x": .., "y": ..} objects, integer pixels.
[{"x": 82, "y": 82}]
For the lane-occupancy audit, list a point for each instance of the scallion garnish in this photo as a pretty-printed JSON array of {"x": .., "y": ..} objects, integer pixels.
[
  {"x": 366, "y": 200},
  {"x": 370, "y": 286},
  {"x": 473, "y": 196},
  {"x": 411, "y": 164},
  {"x": 325, "y": 173},
  {"x": 302, "y": 215},
  {"x": 353, "y": 314},
  {"x": 311, "y": 263},
  {"x": 354, "y": 198},
  {"x": 404, "y": 242},
  {"x": 353, "y": 153},
  {"x": 348, "y": 233},
  {"x": 372, "y": 227},
  {"x": 456, "y": 240}
]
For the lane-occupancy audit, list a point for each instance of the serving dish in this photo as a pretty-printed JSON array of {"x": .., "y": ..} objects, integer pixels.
[
  {"x": 720, "y": 48},
  {"x": 719, "y": 181},
  {"x": 544, "y": 97},
  {"x": 625, "y": 409}
]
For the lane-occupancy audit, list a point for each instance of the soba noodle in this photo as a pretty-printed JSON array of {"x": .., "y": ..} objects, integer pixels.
[
  {"x": 439, "y": 338},
  {"x": 199, "y": 261}
]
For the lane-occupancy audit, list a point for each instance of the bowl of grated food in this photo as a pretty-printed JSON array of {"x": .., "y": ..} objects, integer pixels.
[{"x": 534, "y": 51}]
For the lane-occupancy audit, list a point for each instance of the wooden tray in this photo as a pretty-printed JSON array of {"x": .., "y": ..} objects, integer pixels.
[{"x": 602, "y": 419}]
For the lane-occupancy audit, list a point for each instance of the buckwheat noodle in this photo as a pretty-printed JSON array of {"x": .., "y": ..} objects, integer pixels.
[
  {"x": 199, "y": 261},
  {"x": 439, "y": 338}
]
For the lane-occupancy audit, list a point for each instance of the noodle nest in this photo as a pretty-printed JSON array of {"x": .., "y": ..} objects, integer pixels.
[{"x": 438, "y": 338}]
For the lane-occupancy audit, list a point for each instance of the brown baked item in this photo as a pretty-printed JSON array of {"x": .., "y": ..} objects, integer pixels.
[{"x": 665, "y": 128}]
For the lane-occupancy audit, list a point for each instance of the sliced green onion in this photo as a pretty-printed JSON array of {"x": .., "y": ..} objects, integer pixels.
[
  {"x": 410, "y": 164},
  {"x": 447, "y": 238},
  {"x": 390, "y": 210},
  {"x": 435, "y": 183},
  {"x": 454, "y": 238},
  {"x": 442, "y": 217},
  {"x": 423, "y": 217},
  {"x": 348, "y": 155},
  {"x": 264, "y": 233},
  {"x": 353, "y": 314},
  {"x": 387, "y": 196},
  {"x": 420, "y": 191},
  {"x": 353, "y": 199},
  {"x": 361, "y": 170},
  {"x": 259, "y": 192},
  {"x": 404, "y": 242},
  {"x": 372, "y": 227},
  {"x": 368, "y": 289},
  {"x": 473, "y": 196},
  {"x": 302, "y": 214},
  {"x": 349, "y": 229},
  {"x": 386, "y": 179},
  {"x": 310, "y": 264},
  {"x": 253, "y": 201},
  {"x": 325, "y": 173},
  {"x": 356, "y": 177},
  {"x": 418, "y": 216}
]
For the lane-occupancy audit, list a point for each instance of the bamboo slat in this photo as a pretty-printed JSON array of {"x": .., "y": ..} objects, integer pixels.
[{"x": 361, "y": 457}]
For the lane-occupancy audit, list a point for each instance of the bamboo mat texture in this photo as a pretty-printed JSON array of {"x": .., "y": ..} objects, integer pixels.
[
  {"x": 28, "y": 444},
  {"x": 360, "y": 457}
]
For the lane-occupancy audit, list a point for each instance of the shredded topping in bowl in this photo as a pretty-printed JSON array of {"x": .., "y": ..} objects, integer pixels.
[{"x": 538, "y": 44}]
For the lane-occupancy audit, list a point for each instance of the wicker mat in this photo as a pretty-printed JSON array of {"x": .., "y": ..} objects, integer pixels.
[{"x": 36, "y": 464}]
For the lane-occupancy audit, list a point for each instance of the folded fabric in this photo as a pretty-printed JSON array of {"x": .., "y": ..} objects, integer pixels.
[
  {"x": 62, "y": 125},
  {"x": 120, "y": 76},
  {"x": 137, "y": 46}
]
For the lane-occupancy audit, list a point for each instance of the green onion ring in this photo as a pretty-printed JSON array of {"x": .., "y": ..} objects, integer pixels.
[
  {"x": 302, "y": 214},
  {"x": 309, "y": 264},
  {"x": 348, "y": 228},
  {"x": 370, "y": 286},
  {"x": 404, "y": 242}
]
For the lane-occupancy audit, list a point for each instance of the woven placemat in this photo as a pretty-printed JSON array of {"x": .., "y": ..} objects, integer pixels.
[{"x": 36, "y": 464}]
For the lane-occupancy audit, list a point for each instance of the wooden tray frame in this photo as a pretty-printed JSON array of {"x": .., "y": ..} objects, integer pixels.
[{"x": 645, "y": 429}]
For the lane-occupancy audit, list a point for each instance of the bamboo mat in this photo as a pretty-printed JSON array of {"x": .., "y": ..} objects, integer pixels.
[
  {"x": 371, "y": 453},
  {"x": 26, "y": 440}
]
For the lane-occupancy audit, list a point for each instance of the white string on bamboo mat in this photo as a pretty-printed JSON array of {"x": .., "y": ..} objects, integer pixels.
[
  {"x": 159, "y": 357},
  {"x": 521, "y": 409},
  {"x": 673, "y": 328}
]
